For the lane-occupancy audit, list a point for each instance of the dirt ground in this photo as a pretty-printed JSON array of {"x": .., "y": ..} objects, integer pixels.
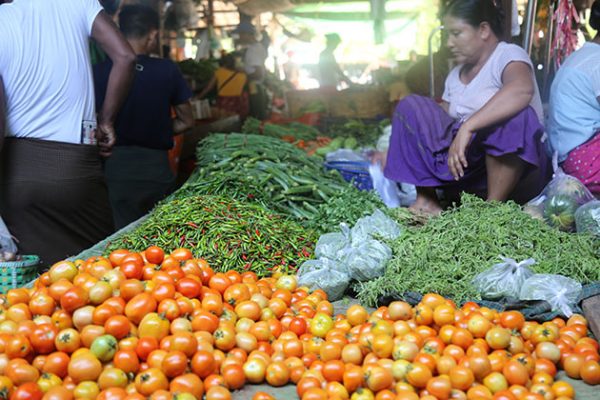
[{"x": 288, "y": 392}]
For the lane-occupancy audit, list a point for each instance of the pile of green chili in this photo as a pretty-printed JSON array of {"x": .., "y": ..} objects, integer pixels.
[
  {"x": 227, "y": 233},
  {"x": 445, "y": 254}
]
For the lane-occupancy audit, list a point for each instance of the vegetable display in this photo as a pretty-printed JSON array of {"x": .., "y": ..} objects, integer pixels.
[
  {"x": 275, "y": 174},
  {"x": 156, "y": 326},
  {"x": 202, "y": 71},
  {"x": 446, "y": 253},
  {"x": 231, "y": 235}
]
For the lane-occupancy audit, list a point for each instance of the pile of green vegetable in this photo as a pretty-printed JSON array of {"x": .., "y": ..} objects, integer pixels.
[
  {"x": 227, "y": 233},
  {"x": 201, "y": 71},
  {"x": 280, "y": 177},
  {"x": 445, "y": 254},
  {"x": 294, "y": 129},
  {"x": 366, "y": 134}
]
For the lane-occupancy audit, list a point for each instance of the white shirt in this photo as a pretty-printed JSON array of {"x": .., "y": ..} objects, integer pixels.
[
  {"x": 46, "y": 68},
  {"x": 574, "y": 116},
  {"x": 255, "y": 56},
  {"x": 466, "y": 100}
]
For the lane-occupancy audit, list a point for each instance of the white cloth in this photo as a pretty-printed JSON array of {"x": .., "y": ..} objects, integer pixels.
[
  {"x": 46, "y": 68},
  {"x": 574, "y": 116},
  {"x": 465, "y": 100},
  {"x": 255, "y": 56}
]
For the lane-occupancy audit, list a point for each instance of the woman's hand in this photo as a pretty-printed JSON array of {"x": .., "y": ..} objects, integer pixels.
[{"x": 457, "y": 159}]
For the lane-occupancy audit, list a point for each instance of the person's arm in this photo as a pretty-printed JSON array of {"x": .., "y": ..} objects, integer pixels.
[
  {"x": 2, "y": 113},
  {"x": 514, "y": 96},
  {"x": 106, "y": 34},
  {"x": 184, "y": 117},
  {"x": 210, "y": 86},
  {"x": 341, "y": 74}
]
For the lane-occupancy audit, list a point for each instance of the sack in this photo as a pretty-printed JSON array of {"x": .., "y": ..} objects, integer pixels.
[
  {"x": 324, "y": 274},
  {"x": 559, "y": 200},
  {"x": 587, "y": 218},
  {"x": 331, "y": 245},
  {"x": 387, "y": 189},
  {"x": 377, "y": 225},
  {"x": 366, "y": 260},
  {"x": 559, "y": 291},
  {"x": 504, "y": 279},
  {"x": 8, "y": 248}
]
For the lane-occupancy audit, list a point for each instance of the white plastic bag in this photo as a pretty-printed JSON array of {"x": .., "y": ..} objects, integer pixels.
[
  {"x": 559, "y": 200},
  {"x": 561, "y": 292},
  {"x": 387, "y": 189},
  {"x": 324, "y": 274},
  {"x": 366, "y": 260},
  {"x": 587, "y": 218},
  {"x": 378, "y": 224},
  {"x": 8, "y": 248},
  {"x": 504, "y": 279},
  {"x": 344, "y": 155},
  {"x": 331, "y": 245}
]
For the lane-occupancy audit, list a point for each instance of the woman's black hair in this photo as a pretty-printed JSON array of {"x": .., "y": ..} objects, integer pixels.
[
  {"x": 227, "y": 61},
  {"x": 595, "y": 15},
  {"x": 474, "y": 12}
]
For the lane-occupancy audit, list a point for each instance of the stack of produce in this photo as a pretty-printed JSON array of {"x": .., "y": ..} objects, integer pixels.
[
  {"x": 231, "y": 235},
  {"x": 201, "y": 71},
  {"x": 121, "y": 328},
  {"x": 446, "y": 253},
  {"x": 275, "y": 174},
  {"x": 366, "y": 134}
]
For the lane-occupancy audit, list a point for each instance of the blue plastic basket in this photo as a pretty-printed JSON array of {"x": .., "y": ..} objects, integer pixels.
[
  {"x": 16, "y": 274},
  {"x": 356, "y": 172}
]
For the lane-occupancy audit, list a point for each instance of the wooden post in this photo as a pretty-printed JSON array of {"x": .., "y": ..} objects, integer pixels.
[{"x": 210, "y": 22}]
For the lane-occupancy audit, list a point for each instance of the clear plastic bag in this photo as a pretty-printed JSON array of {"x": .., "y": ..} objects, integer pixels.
[
  {"x": 559, "y": 200},
  {"x": 561, "y": 292},
  {"x": 331, "y": 245},
  {"x": 387, "y": 189},
  {"x": 587, "y": 218},
  {"x": 344, "y": 155},
  {"x": 504, "y": 279},
  {"x": 376, "y": 225},
  {"x": 324, "y": 274},
  {"x": 8, "y": 248},
  {"x": 366, "y": 260}
]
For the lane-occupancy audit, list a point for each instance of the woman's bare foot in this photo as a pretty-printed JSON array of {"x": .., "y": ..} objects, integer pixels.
[{"x": 427, "y": 202}]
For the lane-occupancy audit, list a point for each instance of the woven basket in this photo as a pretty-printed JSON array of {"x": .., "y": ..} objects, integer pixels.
[{"x": 16, "y": 274}]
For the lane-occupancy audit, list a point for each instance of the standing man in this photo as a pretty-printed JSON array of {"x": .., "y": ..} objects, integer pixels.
[
  {"x": 330, "y": 73},
  {"x": 138, "y": 171},
  {"x": 254, "y": 64},
  {"x": 53, "y": 195}
]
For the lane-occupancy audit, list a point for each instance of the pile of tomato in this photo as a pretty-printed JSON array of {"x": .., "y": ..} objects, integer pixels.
[{"x": 154, "y": 326}]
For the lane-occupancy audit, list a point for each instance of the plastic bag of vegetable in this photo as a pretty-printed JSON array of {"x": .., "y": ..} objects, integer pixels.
[
  {"x": 8, "y": 248},
  {"x": 386, "y": 188},
  {"x": 376, "y": 225},
  {"x": 559, "y": 291},
  {"x": 331, "y": 245},
  {"x": 559, "y": 200},
  {"x": 587, "y": 218},
  {"x": 324, "y": 274},
  {"x": 366, "y": 260},
  {"x": 504, "y": 279}
]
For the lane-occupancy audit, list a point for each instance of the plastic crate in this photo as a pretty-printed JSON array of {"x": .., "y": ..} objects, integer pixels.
[
  {"x": 356, "y": 172},
  {"x": 16, "y": 274}
]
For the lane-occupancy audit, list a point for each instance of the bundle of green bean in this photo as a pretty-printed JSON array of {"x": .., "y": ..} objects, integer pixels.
[
  {"x": 446, "y": 253},
  {"x": 263, "y": 169},
  {"x": 227, "y": 233}
]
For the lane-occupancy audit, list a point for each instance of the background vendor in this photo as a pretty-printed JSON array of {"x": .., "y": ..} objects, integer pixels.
[
  {"x": 255, "y": 55},
  {"x": 138, "y": 172},
  {"x": 574, "y": 120},
  {"x": 486, "y": 136},
  {"x": 231, "y": 87},
  {"x": 330, "y": 73},
  {"x": 53, "y": 193}
]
